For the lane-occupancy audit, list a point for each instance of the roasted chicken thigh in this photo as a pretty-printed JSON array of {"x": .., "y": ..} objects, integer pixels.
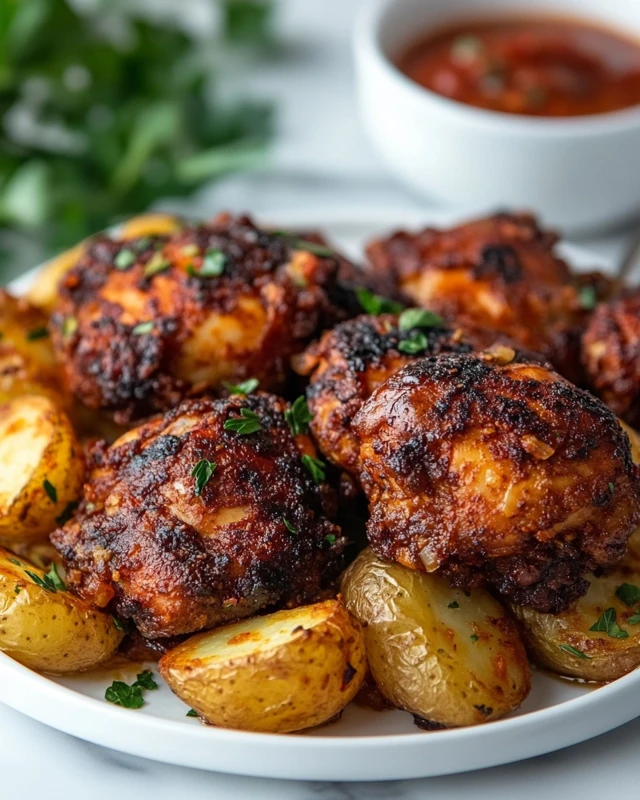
[
  {"x": 142, "y": 324},
  {"x": 207, "y": 514},
  {"x": 496, "y": 470}
]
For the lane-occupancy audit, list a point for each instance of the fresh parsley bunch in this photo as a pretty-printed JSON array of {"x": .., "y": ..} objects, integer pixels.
[{"x": 102, "y": 112}]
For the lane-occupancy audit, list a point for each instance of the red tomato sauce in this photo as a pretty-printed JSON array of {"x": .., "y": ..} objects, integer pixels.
[{"x": 537, "y": 67}]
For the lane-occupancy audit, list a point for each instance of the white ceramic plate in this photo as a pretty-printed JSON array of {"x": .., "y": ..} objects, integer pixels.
[{"x": 363, "y": 744}]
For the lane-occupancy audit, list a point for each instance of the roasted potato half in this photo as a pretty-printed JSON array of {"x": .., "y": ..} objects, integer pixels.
[
  {"x": 566, "y": 642},
  {"x": 41, "y": 468},
  {"x": 44, "y": 627},
  {"x": 447, "y": 656},
  {"x": 27, "y": 362},
  {"x": 280, "y": 673}
]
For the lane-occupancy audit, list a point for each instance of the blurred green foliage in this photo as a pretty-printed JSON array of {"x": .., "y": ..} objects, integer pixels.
[{"x": 102, "y": 112}]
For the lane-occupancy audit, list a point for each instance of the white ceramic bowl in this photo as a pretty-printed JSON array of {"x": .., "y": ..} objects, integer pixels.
[{"x": 579, "y": 173}]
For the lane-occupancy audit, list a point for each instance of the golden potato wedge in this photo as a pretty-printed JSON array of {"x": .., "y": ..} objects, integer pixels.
[
  {"x": 45, "y": 627},
  {"x": 41, "y": 468},
  {"x": 565, "y": 642},
  {"x": 44, "y": 292},
  {"x": 634, "y": 438},
  {"x": 447, "y": 656},
  {"x": 280, "y": 673},
  {"x": 27, "y": 362}
]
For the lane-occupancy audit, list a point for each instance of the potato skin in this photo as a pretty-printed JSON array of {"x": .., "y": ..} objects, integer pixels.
[
  {"x": 37, "y": 444},
  {"x": 51, "y": 632},
  {"x": 27, "y": 361},
  {"x": 280, "y": 673},
  {"x": 607, "y": 658},
  {"x": 422, "y": 652}
]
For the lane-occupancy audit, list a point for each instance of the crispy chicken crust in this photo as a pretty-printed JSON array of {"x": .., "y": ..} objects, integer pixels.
[
  {"x": 611, "y": 355},
  {"x": 142, "y": 324},
  {"x": 148, "y": 547},
  {"x": 500, "y": 273},
  {"x": 498, "y": 473}
]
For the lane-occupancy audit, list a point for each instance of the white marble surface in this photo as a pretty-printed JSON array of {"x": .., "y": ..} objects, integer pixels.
[{"x": 321, "y": 159}]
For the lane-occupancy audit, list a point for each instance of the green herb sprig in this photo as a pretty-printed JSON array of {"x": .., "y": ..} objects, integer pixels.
[
  {"x": 298, "y": 416},
  {"x": 249, "y": 422}
]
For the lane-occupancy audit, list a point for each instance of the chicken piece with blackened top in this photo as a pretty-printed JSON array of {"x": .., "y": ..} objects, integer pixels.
[
  {"x": 202, "y": 516},
  {"x": 496, "y": 471},
  {"x": 611, "y": 355},
  {"x": 500, "y": 273},
  {"x": 349, "y": 362},
  {"x": 142, "y": 324}
]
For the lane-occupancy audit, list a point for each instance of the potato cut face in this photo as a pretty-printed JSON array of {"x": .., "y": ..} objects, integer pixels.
[
  {"x": 447, "y": 656},
  {"x": 46, "y": 628},
  {"x": 566, "y": 642},
  {"x": 279, "y": 673}
]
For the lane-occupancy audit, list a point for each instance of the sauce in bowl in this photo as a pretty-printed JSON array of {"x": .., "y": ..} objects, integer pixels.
[{"x": 538, "y": 67}]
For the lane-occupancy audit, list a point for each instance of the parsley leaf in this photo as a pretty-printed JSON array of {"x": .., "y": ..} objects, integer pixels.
[
  {"x": 587, "y": 298},
  {"x": 192, "y": 713},
  {"x": 250, "y": 423},
  {"x": 417, "y": 343},
  {"x": 634, "y": 620},
  {"x": 117, "y": 624},
  {"x": 608, "y": 624},
  {"x": 124, "y": 259},
  {"x": 246, "y": 387},
  {"x": 375, "y": 304},
  {"x": 330, "y": 538},
  {"x": 37, "y": 333},
  {"x": 629, "y": 594},
  {"x": 302, "y": 244},
  {"x": 143, "y": 327},
  {"x": 156, "y": 264},
  {"x": 69, "y": 326},
  {"x": 454, "y": 604},
  {"x": 474, "y": 638},
  {"x": 50, "y": 489},
  {"x": 298, "y": 416},
  {"x": 213, "y": 265},
  {"x": 573, "y": 651},
  {"x": 51, "y": 582},
  {"x": 315, "y": 467},
  {"x": 202, "y": 472},
  {"x": 419, "y": 318},
  {"x": 145, "y": 680},
  {"x": 16, "y": 562},
  {"x": 289, "y": 526},
  {"x": 121, "y": 694},
  {"x": 66, "y": 514}
]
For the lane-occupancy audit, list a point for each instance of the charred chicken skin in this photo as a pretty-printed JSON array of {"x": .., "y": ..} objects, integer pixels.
[
  {"x": 611, "y": 355},
  {"x": 500, "y": 273},
  {"x": 203, "y": 516},
  {"x": 142, "y": 324},
  {"x": 497, "y": 473}
]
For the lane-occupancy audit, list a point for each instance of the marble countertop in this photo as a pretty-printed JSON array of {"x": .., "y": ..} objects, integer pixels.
[{"x": 321, "y": 159}]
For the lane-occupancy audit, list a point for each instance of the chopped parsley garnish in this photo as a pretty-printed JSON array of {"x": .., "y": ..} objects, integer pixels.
[
  {"x": 189, "y": 250},
  {"x": 573, "y": 651},
  {"x": 249, "y": 423},
  {"x": 587, "y": 298},
  {"x": 298, "y": 416},
  {"x": 156, "y": 264},
  {"x": 454, "y": 604},
  {"x": 16, "y": 562},
  {"x": 629, "y": 593},
  {"x": 17, "y": 589},
  {"x": 246, "y": 387},
  {"x": 145, "y": 680},
  {"x": 608, "y": 624},
  {"x": 51, "y": 582},
  {"x": 330, "y": 537},
  {"x": 315, "y": 467},
  {"x": 124, "y": 259},
  {"x": 117, "y": 623},
  {"x": 191, "y": 713},
  {"x": 143, "y": 327},
  {"x": 289, "y": 526},
  {"x": 50, "y": 489},
  {"x": 66, "y": 514},
  {"x": 121, "y": 694},
  {"x": 611, "y": 488},
  {"x": 634, "y": 620},
  {"x": 37, "y": 333},
  {"x": 474, "y": 638},
  {"x": 375, "y": 304},
  {"x": 141, "y": 244},
  {"x": 213, "y": 264},
  {"x": 69, "y": 326},
  {"x": 417, "y": 343},
  {"x": 419, "y": 318},
  {"x": 202, "y": 472},
  {"x": 303, "y": 244}
]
